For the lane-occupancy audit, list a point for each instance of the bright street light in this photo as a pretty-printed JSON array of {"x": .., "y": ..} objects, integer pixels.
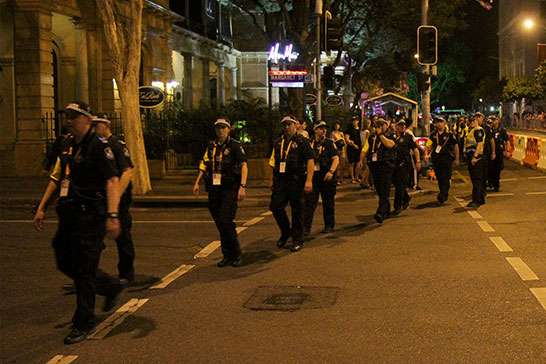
[{"x": 528, "y": 23}]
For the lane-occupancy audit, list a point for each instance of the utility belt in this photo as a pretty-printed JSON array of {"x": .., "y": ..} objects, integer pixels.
[{"x": 73, "y": 206}]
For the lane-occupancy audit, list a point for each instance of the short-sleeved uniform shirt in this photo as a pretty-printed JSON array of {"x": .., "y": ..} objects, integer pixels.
[
  {"x": 474, "y": 136},
  {"x": 405, "y": 145},
  {"x": 325, "y": 150},
  {"x": 295, "y": 152},
  {"x": 87, "y": 165},
  {"x": 225, "y": 159},
  {"x": 123, "y": 160},
  {"x": 442, "y": 146},
  {"x": 376, "y": 147},
  {"x": 501, "y": 137},
  {"x": 487, "y": 142}
]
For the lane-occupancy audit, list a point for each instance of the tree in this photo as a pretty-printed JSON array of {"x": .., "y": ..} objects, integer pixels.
[
  {"x": 521, "y": 87},
  {"x": 123, "y": 34},
  {"x": 540, "y": 75},
  {"x": 489, "y": 90}
]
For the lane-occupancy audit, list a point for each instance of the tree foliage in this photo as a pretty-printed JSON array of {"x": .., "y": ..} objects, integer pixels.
[{"x": 522, "y": 87}]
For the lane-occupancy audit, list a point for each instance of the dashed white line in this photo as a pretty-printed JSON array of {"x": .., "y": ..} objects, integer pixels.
[
  {"x": 61, "y": 359},
  {"x": 500, "y": 244},
  {"x": 540, "y": 294},
  {"x": 206, "y": 251},
  {"x": 117, "y": 318},
  {"x": 165, "y": 281},
  {"x": 267, "y": 213},
  {"x": 540, "y": 177},
  {"x": 508, "y": 179},
  {"x": 240, "y": 229},
  {"x": 499, "y": 194},
  {"x": 485, "y": 226},
  {"x": 254, "y": 221},
  {"x": 474, "y": 214},
  {"x": 522, "y": 269},
  {"x": 465, "y": 180},
  {"x": 458, "y": 199},
  {"x": 535, "y": 193}
]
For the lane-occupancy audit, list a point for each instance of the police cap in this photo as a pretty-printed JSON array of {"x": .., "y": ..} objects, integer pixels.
[
  {"x": 320, "y": 124},
  {"x": 101, "y": 117},
  {"x": 76, "y": 108},
  {"x": 288, "y": 119},
  {"x": 222, "y": 122}
]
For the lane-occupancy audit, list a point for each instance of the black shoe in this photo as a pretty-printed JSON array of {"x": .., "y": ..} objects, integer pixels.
[
  {"x": 406, "y": 204},
  {"x": 417, "y": 188},
  {"x": 378, "y": 218},
  {"x": 237, "y": 262},
  {"x": 77, "y": 336},
  {"x": 297, "y": 246},
  {"x": 473, "y": 204},
  {"x": 69, "y": 287},
  {"x": 224, "y": 262},
  {"x": 282, "y": 242},
  {"x": 126, "y": 282},
  {"x": 396, "y": 212},
  {"x": 327, "y": 229},
  {"x": 306, "y": 233},
  {"x": 112, "y": 297}
]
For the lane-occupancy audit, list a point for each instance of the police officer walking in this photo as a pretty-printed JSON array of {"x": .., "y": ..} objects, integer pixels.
[
  {"x": 293, "y": 167},
  {"x": 501, "y": 138},
  {"x": 225, "y": 170},
  {"x": 474, "y": 156},
  {"x": 380, "y": 157},
  {"x": 488, "y": 148},
  {"x": 124, "y": 242},
  {"x": 324, "y": 180},
  {"x": 405, "y": 149},
  {"x": 86, "y": 177},
  {"x": 443, "y": 146}
]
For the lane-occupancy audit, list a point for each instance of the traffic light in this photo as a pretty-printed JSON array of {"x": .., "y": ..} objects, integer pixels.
[
  {"x": 334, "y": 34},
  {"x": 423, "y": 82},
  {"x": 328, "y": 78},
  {"x": 427, "y": 45}
]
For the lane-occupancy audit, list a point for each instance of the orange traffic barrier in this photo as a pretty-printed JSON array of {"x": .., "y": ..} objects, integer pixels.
[
  {"x": 511, "y": 145},
  {"x": 431, "y": 175},
  {"x": 532, "y": 152},
  {"x": 542, "y": 156},
  {"x": 520, "y": 149}
]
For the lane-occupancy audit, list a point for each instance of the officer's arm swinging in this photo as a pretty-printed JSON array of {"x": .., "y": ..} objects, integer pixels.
[
  {"x": 244, "y": 174},
  {"x": 50, "y": 191},
  {"x": 493, "y": 154},
  {"x": 125, "y": 179},
  {"x": 113, "y": 228},
  {"x": 333, "y": 167}
]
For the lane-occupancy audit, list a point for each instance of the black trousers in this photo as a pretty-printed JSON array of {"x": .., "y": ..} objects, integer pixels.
[
  {"x": 494, "y": 169},
  {"x": 476, "y": 176},
  {"x": 486, "y": 160},
  {"x": 443, "y": 170},
  {"x": 382, "y": 178},
  {"x": 223, "y": 208},
  {"x": 400, "y": 179},
  {"x": 78, "y": 244},
  {"x": 124, "y": 242},
  {"x": 327, "y": 190},
  {"x": 288, "y": 189}
]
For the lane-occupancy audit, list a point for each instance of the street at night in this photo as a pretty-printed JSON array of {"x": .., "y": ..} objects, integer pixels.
[{"x": 431, "y": 285}]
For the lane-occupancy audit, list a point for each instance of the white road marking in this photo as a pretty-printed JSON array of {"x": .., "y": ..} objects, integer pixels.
[
  {"x": 458, "y": 199},
  {"x": 541, "y": 177},
  {"x": 485, "y": 226},
  {"x": 267, "y": 213},
  {"x": 508, "y": 179},
  {"x": 165, "y": 281},
  {"x": 134, "y": 221},
  {"x": 240, "y": 229},
  {"x": 463, "y": 204},
  {"x": 499, "y": 194},
  {"x": 540, "y": 294},
  {"x": 117, "y": 318},
  {"x": 475, "y": 214},
  {"x": 206, "y": 251},
  {"x": 462, "y": 177},
  {"x": 535, "y": 193},
  {"x": 522, "y": 269},
  {"x": 61, "y": 359},
  {"x": 500, "y": 244},
  {"x": 254, "y": 221}
]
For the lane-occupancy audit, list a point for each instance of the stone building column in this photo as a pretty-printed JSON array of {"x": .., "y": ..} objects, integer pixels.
[
  {"x": 82, "y": 70},
  {"x": 34, "y": 84},
  {"x": 205, "y": 89},
  {"x": 234, "y": 81},
  {"x": 220, "y": 84},
  {"x": 188, "y": 80}
]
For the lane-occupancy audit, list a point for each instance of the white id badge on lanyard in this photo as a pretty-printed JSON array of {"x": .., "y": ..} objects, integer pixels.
[
  {"x": 317, "y": 166},
  {"x": 374, "y": 157},
  {"x": 282, "y": 167},
  {"x": 65, "y": 184},
  {"x": 438, "y": 149},
  {"x": 216, "y": 179}
]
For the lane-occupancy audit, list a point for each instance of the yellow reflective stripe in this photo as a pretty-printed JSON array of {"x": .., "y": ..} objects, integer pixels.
[
  {"x": 56, "y": 174},
  {"x": 366, "y": 146},
  {"x": 272, "y": 159},
  {"x": 202, "y": 165},
  {"x": 429, "y": 142}
]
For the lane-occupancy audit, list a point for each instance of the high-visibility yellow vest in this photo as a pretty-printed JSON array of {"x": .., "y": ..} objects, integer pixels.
[{"x": 470, "y": 141}]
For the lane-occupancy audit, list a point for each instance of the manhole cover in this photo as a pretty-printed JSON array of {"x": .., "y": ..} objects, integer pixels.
[{"x": 291, "y": 298}]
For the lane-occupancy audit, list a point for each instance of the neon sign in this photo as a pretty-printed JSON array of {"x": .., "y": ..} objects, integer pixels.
[{"x": 288, "y": 55}]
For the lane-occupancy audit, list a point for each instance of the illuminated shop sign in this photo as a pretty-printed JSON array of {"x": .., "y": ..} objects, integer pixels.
[{"x": 288, "y": 55}]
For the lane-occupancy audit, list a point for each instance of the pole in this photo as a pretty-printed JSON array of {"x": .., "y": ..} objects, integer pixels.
[
  {"x": 318, "y": 14},
  {"x": 425, "y": 96},
  {"x": 270, "y": 107}
]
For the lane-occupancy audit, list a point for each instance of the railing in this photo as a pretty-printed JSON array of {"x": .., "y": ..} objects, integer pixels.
[{"x": 536, "y": 122}]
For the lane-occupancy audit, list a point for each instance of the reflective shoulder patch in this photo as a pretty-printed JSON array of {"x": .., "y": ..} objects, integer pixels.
[
  {"x": 126, "y": 152},
  {"x": 109, "y": 153}
]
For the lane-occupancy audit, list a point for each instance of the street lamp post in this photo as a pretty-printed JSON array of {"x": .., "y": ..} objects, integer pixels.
[{"x": 318, "y": 14}]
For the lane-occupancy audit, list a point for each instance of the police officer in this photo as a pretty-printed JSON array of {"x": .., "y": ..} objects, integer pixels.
[
  {"x": 501, "y": 139},
  {"x": 488, "y": 148},
  {"x": 225, "y": 170},
  {"x": 324, "y": 180},
  {"x": 443, "y": 146},
  {"x": 85, "y": 175},
  {"x": 380, "y": 157},
  {"x": 474, "y": 157},
  {"x": 293, "y": 167},
  {"x": 405, "y": 149},
  {"x": 124, "y": 242}
]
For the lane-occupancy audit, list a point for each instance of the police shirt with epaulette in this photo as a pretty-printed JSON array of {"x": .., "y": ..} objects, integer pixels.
[
  {"x": 404, "y": 147},
  {"x": 501, "y": 137},
  {"x": 474, "y": 136},
  {"x": 488, "y": 136},
  {"x": 294, "y": 152},
  {"x": 123, "y": 161},
  {"x": 443, "y": 145},
  {"x": 325, "y": 150},
  {"x": 224, "y": 159},
  {"x": 377, "y": 151},
  {"x": 87, "y": 166}
]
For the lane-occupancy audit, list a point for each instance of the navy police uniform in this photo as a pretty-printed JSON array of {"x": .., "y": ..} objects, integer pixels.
[
  {"x": 500, "y": 136},
  {"x": 443, "y": 154},
  {"x": 289, "y": 162},
  {"x": 221, "y": 165},
  {"x": 82, "y": 171},
  {"x": 381, "y": 162},
  {"x": 324, "y": 152},
  {"x": 405, "y": 145},
  {"x": 475, "y": 136}
]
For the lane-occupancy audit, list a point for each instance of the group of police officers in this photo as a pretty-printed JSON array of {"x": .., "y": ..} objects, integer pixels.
[{"x": 93, "y": 171}]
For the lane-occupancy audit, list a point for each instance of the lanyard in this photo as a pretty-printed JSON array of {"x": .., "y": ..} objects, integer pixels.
[
  {"x": 67, "y": 169},
  {"x": 373, "y": 145},
  {"x": 219, "y": 157},
  {"x": 287, "y": 150},
  {"x": 320, "y": 148},
  {"x": 438, "y": 141}
]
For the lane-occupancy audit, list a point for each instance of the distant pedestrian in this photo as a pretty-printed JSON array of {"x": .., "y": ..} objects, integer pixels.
[
  {"x": 293, "y": 168},
  {"x": 354, "y": 146},
  {"x": 302, "y": 128},
  {"x": 224, "y": 166},
  {"x": 339, "y": 139}
]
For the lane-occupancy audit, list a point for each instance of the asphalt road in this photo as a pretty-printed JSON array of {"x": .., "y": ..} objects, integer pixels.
[{"x": 432, "y": 285}]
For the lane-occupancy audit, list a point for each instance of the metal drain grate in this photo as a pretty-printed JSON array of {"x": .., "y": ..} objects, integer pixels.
[{"x": 291, "y": 298}]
